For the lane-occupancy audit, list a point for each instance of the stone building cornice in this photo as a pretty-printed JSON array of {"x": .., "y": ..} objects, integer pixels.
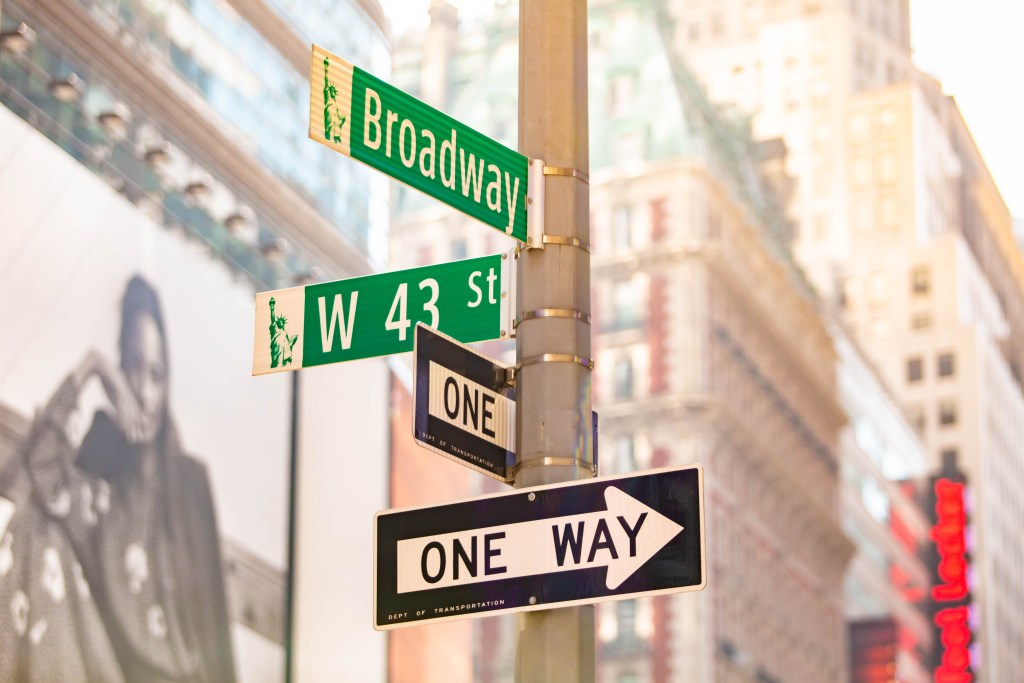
[{"x": 185, "y": 116}]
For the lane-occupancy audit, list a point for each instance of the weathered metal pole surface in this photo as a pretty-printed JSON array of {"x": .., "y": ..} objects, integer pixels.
[{"x": 553, "y": 434}]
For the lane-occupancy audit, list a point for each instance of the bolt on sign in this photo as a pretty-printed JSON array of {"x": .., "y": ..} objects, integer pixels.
[
  {"x": 365, "y": 118},
  {"x": 376, "y": 315},
  {"x": 571, "y": 543}
]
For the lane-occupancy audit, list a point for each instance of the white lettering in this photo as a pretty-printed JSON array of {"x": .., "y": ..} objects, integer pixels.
[
  {"x": 473, "y": 180},
  {"x": 512, "y": 196},
  {"x": 392, "y": 119},
  {"x": 407, "y": 126},
  {"x": 491, "y": 278},
  {"x": 338, "y": 312},
  {"x": 371, "y": 120},
  {"x": 473, "y": 286},
  {"x": 428, "y": 153},
  {"x": 450, "y": 147},
  {"x": 494, "y": 189}
]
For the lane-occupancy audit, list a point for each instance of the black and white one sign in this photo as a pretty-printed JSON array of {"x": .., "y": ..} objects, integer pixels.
[
  {"x": 462, "y": 410},
  {"x": 573, "y": 543}
]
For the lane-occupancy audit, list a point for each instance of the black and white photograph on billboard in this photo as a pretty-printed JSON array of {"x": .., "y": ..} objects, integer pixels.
[{"x": 144, "y": 474}]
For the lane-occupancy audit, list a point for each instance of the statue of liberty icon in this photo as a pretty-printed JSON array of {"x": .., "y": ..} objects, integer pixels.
[
  {"x": 332, "y": 131},
  {"x": 281, "y": 342}
]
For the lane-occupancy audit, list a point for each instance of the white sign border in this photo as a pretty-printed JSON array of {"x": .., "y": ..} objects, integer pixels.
[{"x": 552, "y": 605}]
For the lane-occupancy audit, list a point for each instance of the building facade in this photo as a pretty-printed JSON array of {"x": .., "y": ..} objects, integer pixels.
[
  {"x": 709, "y": 347},
  {"x": 884, "y": 468},
  {"x": 903, "y": 231}
]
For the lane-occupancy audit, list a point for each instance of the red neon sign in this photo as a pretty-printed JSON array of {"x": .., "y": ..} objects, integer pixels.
[
  {"x": 948, "y": 534},
  {"x": 955, "y": 635},
  {"x": 950, "y": 542}
]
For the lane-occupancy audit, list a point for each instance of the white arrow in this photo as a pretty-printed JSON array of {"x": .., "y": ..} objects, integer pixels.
[{"x": 622, "y": 538}]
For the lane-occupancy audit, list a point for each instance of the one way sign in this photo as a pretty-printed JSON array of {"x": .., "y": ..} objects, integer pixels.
[{"x": 552, "y": 546}]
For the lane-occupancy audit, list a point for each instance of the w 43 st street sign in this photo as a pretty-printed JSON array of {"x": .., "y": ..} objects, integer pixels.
[
  {"x": 573, "y": 543},
  {"x": 376, "y": 315},
  {"x": 363, "y": 117}
]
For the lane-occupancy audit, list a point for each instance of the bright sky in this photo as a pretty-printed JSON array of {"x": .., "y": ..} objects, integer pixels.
[{"x": 975, "y": 48}]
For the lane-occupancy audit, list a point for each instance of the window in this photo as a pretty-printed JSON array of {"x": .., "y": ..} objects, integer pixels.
[
  {"x": 878, "y": 288},
  {"x": 623, "y": 94},
  {"x": 915, "y": 369},
  {"x": 880, "y": 328},
  {"x": 717, "y": 24},
  {"x": 875, "y": 500},
  {"x": 624, "y": 378},
  {"x": 888, "y": 212},
  {"x": 885, "y": 167},
  {"x": 921, "y": 321},
  {"x": 920, "y": 280},
  {"x": 625, "y": 307},
  {"x": 625, "y": 459},
  {"x": 860, "y": 128},
  {"x": 622, "y": 227},
  {"x": 862, "y": 221},
  {"x": 887, "y": 122},
  {"x": 947, "y": 412},
  {"x": 947, "y": 364},
  {"x": 425, "y": 254},
  {"x": 916, "y": 418},
  {"x": 630, "y": 147},
  {"x": 458, "y": 249},
  {"x": 860, "y": 172},
  {"x": 625, "y": 612},
  {"x": 947, "y": 458}
]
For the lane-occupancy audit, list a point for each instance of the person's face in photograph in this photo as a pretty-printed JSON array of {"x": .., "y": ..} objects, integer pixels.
[{"x": 146, "y": 371}]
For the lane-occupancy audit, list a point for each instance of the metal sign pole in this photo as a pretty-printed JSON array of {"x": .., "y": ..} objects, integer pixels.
[{"x": 553, "y": 336}]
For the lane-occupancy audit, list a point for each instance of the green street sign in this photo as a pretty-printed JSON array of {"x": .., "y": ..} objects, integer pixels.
[
  {"x": 376, "y": 315},
  {"x": 367, "y": 119}
]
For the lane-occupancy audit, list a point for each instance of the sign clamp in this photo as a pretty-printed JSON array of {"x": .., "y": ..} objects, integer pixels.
[
  {"x": 565, "y": 461},
  {"x": 513, "y": 370},
  {"x": 535, "y": 204},
  {"x": 570, "y": 172},
  {"x": 508, "y": 295},
  {"x": 557, "y": 358},
  {"x": 535, "y": 236},
  {"x": 567, "y": 242},
  {"x": 552, "y": 313}
]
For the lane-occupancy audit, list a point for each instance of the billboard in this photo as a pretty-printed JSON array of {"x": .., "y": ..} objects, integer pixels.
[{"x": 144, "y": 474}]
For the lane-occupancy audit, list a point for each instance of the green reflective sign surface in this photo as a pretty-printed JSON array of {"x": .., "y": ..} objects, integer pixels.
[
  {"x": 376, "y": 315},
  {"x": 367, "y": 119}
]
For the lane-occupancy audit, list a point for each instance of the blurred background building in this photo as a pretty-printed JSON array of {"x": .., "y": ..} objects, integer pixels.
[
  {"x": 804, "y": 278},
  {"x": 861, "y": 193},
  {"x": 697, "y": 305},
  {"x": 888, "y": 581},
  {"x": 904, "y": 233}
]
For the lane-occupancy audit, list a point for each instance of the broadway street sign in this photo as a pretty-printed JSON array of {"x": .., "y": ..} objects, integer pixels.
[
  {"x": 462, "y": 409},
  {"x": 363, "y": 117},
  {"x": 375, "y": 315},
  {"x": 566, "y": 544}
]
